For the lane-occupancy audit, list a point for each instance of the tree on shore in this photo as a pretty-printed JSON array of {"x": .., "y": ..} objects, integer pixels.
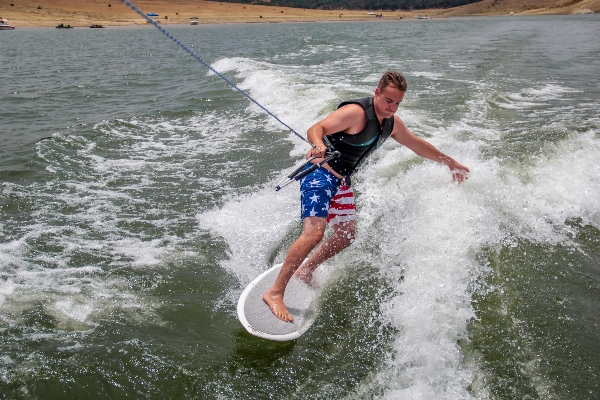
[{"x": 361, "y": 4}]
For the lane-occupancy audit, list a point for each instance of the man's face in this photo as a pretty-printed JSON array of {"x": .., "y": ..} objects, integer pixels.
[{"x": 386, "y": 101}]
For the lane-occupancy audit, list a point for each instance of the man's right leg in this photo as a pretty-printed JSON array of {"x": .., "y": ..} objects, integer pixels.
[
  {"x": 314, "y": 228},
  {"x": 342, "y": 218}
]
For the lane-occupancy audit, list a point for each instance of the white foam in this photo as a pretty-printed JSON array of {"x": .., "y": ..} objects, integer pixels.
[
  {"x": 429, "y": 75},
  {"x": 427, "y": 232},
  {"x": 144, "y": 253},
  {"x": 563, "y": 184},
  {"x": 76, "y": 346},
  {"x": 534, "y": 97},
  {"x": 460, "y": 66},
  {"x": 77, "y": 311},
  {"x": 284, "y": 94},
  {"x": 252, "y": 226},
  {"x": 551, "y": 91},
  {"x": 434, "y": 231},
  {"x": 97, "y": 219}
]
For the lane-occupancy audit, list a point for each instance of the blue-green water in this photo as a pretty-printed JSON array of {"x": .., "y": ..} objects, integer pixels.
[{"x": 137, "y": 200}]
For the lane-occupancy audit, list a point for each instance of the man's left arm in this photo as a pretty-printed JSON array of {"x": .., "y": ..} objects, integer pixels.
[{"x": 423, "y": 148}]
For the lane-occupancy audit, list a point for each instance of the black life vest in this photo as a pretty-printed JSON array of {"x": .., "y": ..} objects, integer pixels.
[{"x": 354, "y": 149}]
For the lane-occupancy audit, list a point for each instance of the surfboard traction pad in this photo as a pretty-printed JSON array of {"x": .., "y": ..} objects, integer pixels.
[{"x": 299, "y": 298}]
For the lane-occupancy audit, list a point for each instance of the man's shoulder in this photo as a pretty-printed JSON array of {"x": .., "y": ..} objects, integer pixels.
[
  {"x": 364, "y": 102},
  {"x": 349, "y": 106},
  {"x": 399, "y": 127},
  {"x": 351, "y": 111}
]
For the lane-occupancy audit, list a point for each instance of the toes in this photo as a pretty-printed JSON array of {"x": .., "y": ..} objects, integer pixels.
[
  {"x": 284, "y": 316},
  {"x": 279, "y": 311}
]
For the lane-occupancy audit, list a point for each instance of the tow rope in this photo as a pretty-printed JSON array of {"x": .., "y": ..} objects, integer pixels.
[
  {"x": 299, "y": 172},
  {"x": 184, "y": 47}
]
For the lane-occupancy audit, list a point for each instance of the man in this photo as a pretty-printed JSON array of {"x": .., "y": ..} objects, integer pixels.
[{"x": 355, "y": 129}]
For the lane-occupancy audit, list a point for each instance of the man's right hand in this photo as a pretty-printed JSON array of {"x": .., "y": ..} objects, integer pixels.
[{"x": 318, "y": 150}]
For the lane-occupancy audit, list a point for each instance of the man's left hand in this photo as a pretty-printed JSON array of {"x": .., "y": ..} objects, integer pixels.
[{"x": 460, "y": 173}]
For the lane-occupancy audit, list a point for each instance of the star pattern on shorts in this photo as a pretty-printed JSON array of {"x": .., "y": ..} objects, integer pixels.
[
  {"x": 314, "y": 198},
  {"x": 313, "y": 212}
]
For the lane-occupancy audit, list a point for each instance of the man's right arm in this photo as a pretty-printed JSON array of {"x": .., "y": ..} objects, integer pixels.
[{"x": 346, "y": 119}]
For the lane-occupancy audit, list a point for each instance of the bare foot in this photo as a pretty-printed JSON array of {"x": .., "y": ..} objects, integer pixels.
[{"x": 278, "y": 308}]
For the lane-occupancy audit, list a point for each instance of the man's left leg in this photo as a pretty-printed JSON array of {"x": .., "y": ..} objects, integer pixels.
[{"x": 343, "y": 236}]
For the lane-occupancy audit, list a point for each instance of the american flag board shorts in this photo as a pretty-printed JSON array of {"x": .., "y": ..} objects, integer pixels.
[
  {"x": 325, "y": 196},
  {"x": 342, "y": 207}
]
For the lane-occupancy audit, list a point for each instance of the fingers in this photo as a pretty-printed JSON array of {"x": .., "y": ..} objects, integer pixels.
[
  {"x": 460, "y": 175},
  {"x": 318, "y": 151},
  {"x": 458, "y": 178}
]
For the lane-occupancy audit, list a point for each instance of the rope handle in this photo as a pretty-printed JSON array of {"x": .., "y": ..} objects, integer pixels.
[{"x": 301, "y": 172}]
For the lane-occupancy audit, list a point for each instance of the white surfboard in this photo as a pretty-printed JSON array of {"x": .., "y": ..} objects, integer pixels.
[{"x": 300, "y": 300}]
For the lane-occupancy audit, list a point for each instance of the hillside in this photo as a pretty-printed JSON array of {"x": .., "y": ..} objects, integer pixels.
[
  {"x": 525, "y": 7},
  {"x": 82, "y": 13}
]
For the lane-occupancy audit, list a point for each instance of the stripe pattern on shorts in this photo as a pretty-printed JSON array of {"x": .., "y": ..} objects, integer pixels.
[{"x": 342, "y": 207}]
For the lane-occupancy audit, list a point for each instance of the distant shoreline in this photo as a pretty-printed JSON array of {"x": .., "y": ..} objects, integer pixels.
[
  {"x": 166, "y": 26},
  {"x": 83, "y": 13}
]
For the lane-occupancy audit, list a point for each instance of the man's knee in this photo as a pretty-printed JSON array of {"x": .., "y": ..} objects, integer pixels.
[
  {"x": 346, "y": 233},
  {"x": 314, "y": 229},
  {"x": 346, "y": 240}
]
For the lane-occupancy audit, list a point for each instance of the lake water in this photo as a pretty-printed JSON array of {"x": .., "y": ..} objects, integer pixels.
[{"x": 137, "y": 200}]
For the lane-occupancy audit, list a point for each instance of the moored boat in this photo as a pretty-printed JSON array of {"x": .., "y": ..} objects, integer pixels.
[{"x": 4, "y": 26}]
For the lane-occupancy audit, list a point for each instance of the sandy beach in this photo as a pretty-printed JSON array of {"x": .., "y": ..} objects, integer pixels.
[{"x": 83, "y": 13}]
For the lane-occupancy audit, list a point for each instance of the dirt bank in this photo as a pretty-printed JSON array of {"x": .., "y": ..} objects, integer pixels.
[{"x": 83, "y": 13}]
